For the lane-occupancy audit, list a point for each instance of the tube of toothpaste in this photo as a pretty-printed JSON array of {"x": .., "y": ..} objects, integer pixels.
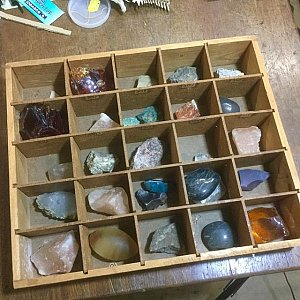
[{"x": 45, "y": 10}]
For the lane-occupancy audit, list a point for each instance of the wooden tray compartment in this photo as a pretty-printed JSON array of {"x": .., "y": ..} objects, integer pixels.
[
  {"x": 87, "y": 185},
  {"x": 35, "y": 157},
  {"x": 85, "y": 111},
  {"x": 203, "y": 93},
  {"x": 36, "y": 80},
  {"x": 206, "y": 136},
  {"x": 248, "y": 92},
  {"x": 134, "y": 102},
  {"x": 130, "y": 66}
]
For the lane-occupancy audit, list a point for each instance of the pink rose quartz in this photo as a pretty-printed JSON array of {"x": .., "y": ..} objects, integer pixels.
[{"x": 247, "y": 139}]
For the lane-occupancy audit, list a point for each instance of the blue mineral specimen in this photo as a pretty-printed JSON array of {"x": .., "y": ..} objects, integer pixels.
[
  {"x": 130, "y": 121},
  {"x": 156, "y": 186},
  {"x": 150, "y": 201},
  {"x": 250, "y": 178},
  {"x": 149, "y": 115},
  {"x": 229, "y": 106}
]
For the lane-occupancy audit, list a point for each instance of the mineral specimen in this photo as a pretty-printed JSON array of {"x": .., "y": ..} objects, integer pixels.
[
  {"x": 60, "y": 171},
  {"x": 149, "y": 201},
  {"x": 247, "y": 139},
  {"x": 222, "y": 72},
  {"x": 149, "y": 115},
  {"x": 267, "y": 225},
  {"x": 217, "y": 235},
  {"x": 85, "y": 80},
  {"x": 98, "y": 163},
  {"x": 201, "y": 156},
  {"x": 110, "y": 201},
  {"x": 103, "y": 122},
  {"x": 113, "y": 244},
  {"x": 184, "y": 74},
  {"x": 188, "y": 111},
  {"x": 56, "y": 255},
  {"x": 131, "y": 121},
  {"x": 165, "y": 240},
  {"x": 217, "y": 194},
  {"x": 156, "y": 186},
  {"x": 148, "y": 154},
  {"x": 250, "y": 178},
  {"x": 229, "y": 106},
  {"x": 39, "y": 120},
  {"x": 57, "y": 205},
  {"x": 201, "y": 183},
  {"x": 144, "y": 81}
]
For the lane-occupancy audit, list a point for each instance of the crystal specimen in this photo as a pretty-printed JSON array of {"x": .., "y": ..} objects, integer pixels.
[
  {"x": 60, "y": 171},
  {"x": 113, "y": 244},
  {"x": 156, "y": 186},
  {"x": 267, "y": 225},
  {"x": 148, "y": 154},
  {"x": 149, "y": 115},
  {"x": 39, "y": 120},
  {"x": 250, "y": 178},
  {"x": 222, "y": 72},
  {"x": 247, "y": 139},
  {"x": 110, "y": 201},
  {"x": 201, "y": 183},
  {"x": 184, "y": 74},
  {"x": 144, "y": 81},
  {"x": 57, "y": 205},
  {"x": 229, "y": 106},
  {"x": 98, "y": 163},
  {"x": 150, "y": 201},
  {"x": 188, "y": 111},
  {"x": 56, "y": 255},
  {"x": 103, "y": 122},
  {"x": 85, "y": 80},
  {"x": 201, "y": 156},
  {"x": 131, "y": 121},
  {"x": 165, "y": 240},
  {"x": 217, "y": 235}
]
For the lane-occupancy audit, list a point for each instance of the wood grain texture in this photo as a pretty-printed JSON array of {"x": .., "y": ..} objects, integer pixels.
[{"x": 189, "y": 20}]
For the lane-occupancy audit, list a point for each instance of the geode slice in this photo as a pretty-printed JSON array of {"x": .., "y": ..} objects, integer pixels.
[
  {"x": 39, "y": 120},
  {"x": 184, "y": 74},
  {"x": 103, "y": 122},
  {"x": 148, "y": 154},
  {"x": 57, "y": 205},
  {"x": 56, "y": 255}
]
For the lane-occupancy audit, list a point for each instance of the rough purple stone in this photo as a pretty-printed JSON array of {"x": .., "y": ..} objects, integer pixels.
[{"x": 250, "y": 178}]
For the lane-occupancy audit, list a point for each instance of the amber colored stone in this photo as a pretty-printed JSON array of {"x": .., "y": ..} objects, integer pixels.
[
  {"x": 188, "y": 111},
  {"x": 267, "y": 225}
]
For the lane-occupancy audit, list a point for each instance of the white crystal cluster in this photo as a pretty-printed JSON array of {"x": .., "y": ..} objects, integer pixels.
[{"x": 164, "y": 4}]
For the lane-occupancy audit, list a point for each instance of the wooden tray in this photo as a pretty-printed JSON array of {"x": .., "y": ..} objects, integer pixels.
[{"x": 31, "y": 82}]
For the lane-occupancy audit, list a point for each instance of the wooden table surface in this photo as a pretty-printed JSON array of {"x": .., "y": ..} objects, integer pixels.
[{"x": 189, "y": 20}]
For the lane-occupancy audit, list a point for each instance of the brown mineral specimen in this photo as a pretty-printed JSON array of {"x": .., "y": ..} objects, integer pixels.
[
  {"x": 247, "y": 139},
  {"x": 188, "y": 111}
]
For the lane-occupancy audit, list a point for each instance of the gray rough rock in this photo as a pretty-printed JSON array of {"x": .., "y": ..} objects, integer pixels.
[
  {"x": 99, "y": 163},
  {"x": 184, "y": 74},
  {"x": 222, "y": 73}
]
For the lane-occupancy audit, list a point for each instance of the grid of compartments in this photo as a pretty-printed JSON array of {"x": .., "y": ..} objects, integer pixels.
[{"x": 32, "y": 82}]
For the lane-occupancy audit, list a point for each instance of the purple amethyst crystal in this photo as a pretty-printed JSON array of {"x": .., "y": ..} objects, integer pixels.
[
  {"x": 250, "y": 178},
  {"x": 39, "y": 120}
]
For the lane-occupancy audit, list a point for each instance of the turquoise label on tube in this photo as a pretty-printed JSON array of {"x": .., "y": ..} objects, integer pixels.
[{"x": 45, "y": 10}]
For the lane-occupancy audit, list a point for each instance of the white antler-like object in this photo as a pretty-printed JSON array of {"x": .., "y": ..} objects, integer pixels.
[{"x": 164, "y": 4}]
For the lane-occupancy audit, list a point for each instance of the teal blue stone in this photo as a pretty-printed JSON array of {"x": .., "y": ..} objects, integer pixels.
[
  {"x": 156, "y": 186},
  {"x": 150, "y": 201},
  {"x": 149, "y": 115},
  {"x": 130, "y": 121},
  {"x": 217, "y": 235}
]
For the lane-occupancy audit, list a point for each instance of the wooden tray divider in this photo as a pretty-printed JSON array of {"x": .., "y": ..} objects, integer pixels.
[
  {"x": 236, "y": 178},
  {"x": 161, "y": 75},
  {"x": 114, "y": 71},
  {"x": 190, "y": 232},
  {"x": 125, "y": 149},
  {"x": 131, "y": 196},
  {"x": 208, "y": 71},
  {"x": 216, "y": 92},
  {"x": 85, "y": 248},
  {"x": 227, "y": 138},
  {"x": 247, "y": 225},
  {"x": 138, "y": 239},
  {"x": 80, "y": 202},
  {"x": 67, "y": 70},
  {"x": 119, "y": 110},
  {"x": 77, "y": 165},
  {"x": 71, "y": 117}
]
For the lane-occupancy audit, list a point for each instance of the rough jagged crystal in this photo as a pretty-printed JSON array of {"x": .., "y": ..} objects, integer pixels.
[
  {"x": 202, "y": 156},
  {"x": 98, "y": 163},
  {"x": 222, "y": 73},
  {"x": 60, "y": 171},
  {"x": 184, "y": 74},
  {"x": 188, "y": 111},
  {"x": 103, "y": 122},
  {"x": 56, "y": 255},
  {"x": 144, "y": 81},
  {"x": 149, "y": 115},
  {"x": 247, "y": 139}
]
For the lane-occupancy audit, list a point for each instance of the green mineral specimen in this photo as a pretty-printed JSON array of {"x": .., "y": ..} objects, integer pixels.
[
  {"x": 149, "y": 115},
  {"x": 132, "y": 121}
]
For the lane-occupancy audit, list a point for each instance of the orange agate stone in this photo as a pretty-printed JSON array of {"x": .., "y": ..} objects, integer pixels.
[{"x": 267, "y": 225}]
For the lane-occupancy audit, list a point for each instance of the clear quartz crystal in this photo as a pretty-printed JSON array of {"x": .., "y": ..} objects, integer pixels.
[{"x": 60, "y": 171}]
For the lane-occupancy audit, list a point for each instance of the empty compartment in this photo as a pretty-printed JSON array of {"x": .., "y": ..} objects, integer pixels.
[
  {"x": 280, "y": 179},
  {"x": 35, "y": 158},
  {"x": 104, "y": 142},
  {"x": 98, "y": 62},
  {"x": 32, "y": 215},
  {"x": 105, "y": 206},
  {"x": 270, "y": 139},
  {"x": 130, "y": 66},
  {"x": 133, "y": 103},
  {"x": 248, "y": 92},
  {"x": 117, "y": 248},
  {"x": 170, "y": 175},
  {"x": 85, "y": 112},
  {"x": 173, "y": 239},
  {"x": 38, "y": 81},
  {"x": 226, "y": 169},
  {"x": 135, "y": 137},
  {"x": 238, "y": 55},
  {"x": 186, "y": 57},
  {"x": 202, "y": 136},
  {"x": 203, "y": 94},
  {"x": 219, "y": 236},
  {"x": 29, "y": 243}
]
